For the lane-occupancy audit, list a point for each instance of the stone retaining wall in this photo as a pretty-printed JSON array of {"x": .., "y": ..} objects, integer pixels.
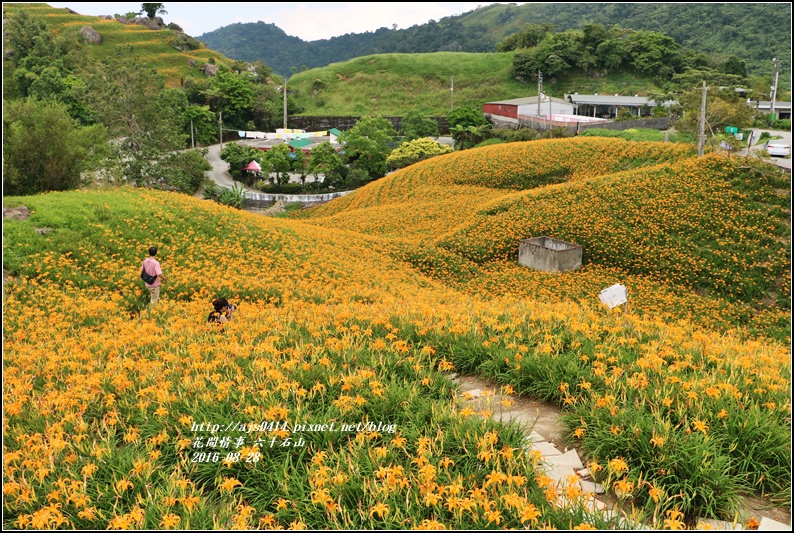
[{"x": 345, "y": 123}]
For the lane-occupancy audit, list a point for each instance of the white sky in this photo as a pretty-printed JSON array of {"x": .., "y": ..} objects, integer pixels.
[{"x": 308, "y": 20}]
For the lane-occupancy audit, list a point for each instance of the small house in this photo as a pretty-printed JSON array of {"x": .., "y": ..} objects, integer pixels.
[
  {"x": 608, "y": 106},
  {"x": 782, "y": 109}
]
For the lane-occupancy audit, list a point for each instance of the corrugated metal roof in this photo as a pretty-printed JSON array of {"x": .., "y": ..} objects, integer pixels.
[
  {"x": 529, "y": 100},
  {"x": 335, "y": 131},
  {"x": 599, "y": 99}
]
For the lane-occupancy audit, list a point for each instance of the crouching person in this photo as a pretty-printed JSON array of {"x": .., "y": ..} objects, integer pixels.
[{"x": 223, "y": 311}]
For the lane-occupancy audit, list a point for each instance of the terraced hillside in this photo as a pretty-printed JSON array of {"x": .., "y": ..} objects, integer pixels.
[
  {"x": 156, "y": 46},
  {"x": 353, "y": 315}
]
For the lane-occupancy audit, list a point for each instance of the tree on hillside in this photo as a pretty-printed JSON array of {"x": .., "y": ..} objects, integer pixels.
[
  {"x": 280, "y": 162},
  {"x": 734, "y": 65},
  {"x": 416, "y": 126},
  {"x": 466, "y": 116},
  {"x": 723, "y": 108},
  {"x": 236, "y": 97},
  {"x": 556, "y": 54},
  {"x": 366, "y": 146},
  {"x": 694, "y": 78},
  {"x": 205, "y": 124},
  {"x": 528, "y": 36},
  {"x": 298, "y": 164},
  {"x": 38, "y": 60},
  {"x": 125, "y": 95},
  {"x": 152, "y": 10},
  {"x": 326, "y": 161},
  {"x": 239, "y": 156},
  {"x": 652, "y": 52},
  {"x": 464, "y": 123},
  {"x": 44, "y": 149},
  {"x": 468, "y": 136}
]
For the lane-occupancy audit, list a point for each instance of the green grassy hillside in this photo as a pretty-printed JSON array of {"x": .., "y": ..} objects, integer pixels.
[{"x": 388, "y": 84}]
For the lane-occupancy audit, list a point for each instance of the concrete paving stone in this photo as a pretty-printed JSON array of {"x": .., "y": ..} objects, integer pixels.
[
  {"x": 519, "y": 417},
  {"x": 569, "y": 459},
  {"x": 719, "y": 525},
  {"x": 453, "y": 376},
  {"x": 504, "y": 416},
  {"x": 546, "y": 449},
  {"x": 767, "y": 524},
  {"x": 534, "y": 436},
  {"x": 559, "y": 474},
  {"x": 474, "y": 393},
  {"x": 591, "y": 487},
  {"x": 584, "y": 472}
]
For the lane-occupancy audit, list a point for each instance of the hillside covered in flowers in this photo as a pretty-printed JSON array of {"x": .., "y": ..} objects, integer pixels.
[{"x": 326, "y": 402}]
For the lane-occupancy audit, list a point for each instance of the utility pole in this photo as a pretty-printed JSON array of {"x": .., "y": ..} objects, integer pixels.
[
  {"x": 220, "y": 127},
  {"x": 192, "y": 138},
  {"x": 776, "y": 61},
  {"x": 540, "y": 88},
  {"x": 702, "y": 136},
  {"x": 452, "y": 93},
  {"x": 285, "y": 102}
]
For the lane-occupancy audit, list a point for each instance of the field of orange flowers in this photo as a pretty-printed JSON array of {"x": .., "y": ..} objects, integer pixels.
[{"x": 325, "y": 403}]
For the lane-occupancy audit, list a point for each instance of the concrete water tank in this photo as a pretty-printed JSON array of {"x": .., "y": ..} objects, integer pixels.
[{"x": 549, "y": 254}]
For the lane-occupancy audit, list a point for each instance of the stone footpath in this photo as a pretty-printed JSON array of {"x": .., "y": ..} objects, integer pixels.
[{"x": 564, "y": 466}]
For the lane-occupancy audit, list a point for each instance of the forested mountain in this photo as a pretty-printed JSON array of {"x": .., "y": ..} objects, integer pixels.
[
  {"x": 268, "y": 43},
  {"x": 753, "y": 32}
]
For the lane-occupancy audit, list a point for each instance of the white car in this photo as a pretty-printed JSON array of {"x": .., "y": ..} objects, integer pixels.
[{"x": 778, "y": 148}]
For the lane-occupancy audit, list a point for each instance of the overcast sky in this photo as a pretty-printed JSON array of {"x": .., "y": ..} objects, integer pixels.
[{"x": 308, "y": 20}]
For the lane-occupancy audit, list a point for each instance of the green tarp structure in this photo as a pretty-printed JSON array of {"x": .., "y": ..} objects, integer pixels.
[{"x": 300, "y": 144}]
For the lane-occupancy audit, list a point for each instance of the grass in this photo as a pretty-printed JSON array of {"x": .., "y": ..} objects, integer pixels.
[
  {"x": 354, "y": 313},
  {"x": 640, "y": 134},
  {"x": 154, "y": 45},
  {"x": 388, "y": 84}
]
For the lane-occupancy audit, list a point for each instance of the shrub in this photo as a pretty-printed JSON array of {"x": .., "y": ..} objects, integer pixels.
[
  {"x": 280, "y": 188},
  {"x": 44, "y": 149},
  {"x": 184, "y": 43},
  {"x": 556, "y": 133},
  {"x": 184, "y": 171},
  {"x": 523, "y": 134},
  {"x": 414, "y": 151},
  {"x": 212, "y": 191},
  {"x": 233, "y": 197}
]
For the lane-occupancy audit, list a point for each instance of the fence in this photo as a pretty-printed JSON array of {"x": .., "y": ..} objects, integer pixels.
[
  {"x": 571, "y": 124},
  {"x": 646, "y": 123},
  {"x": 540, "y": 123},
  {"x": 256, "y": 199}
]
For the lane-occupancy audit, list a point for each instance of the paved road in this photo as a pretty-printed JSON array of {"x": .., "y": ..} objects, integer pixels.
[
  {"x": 220, "y": 168},
  {"x": 779, "y": 161}
]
